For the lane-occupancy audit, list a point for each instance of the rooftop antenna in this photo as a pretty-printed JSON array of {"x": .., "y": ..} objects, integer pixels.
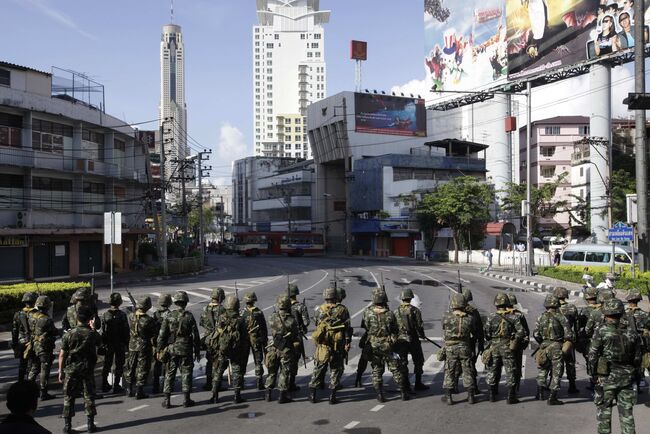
[{"x": 172, "y": 11}]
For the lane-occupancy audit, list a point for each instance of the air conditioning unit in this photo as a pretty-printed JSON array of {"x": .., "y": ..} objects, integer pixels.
[{"x": 23, "y": 219}]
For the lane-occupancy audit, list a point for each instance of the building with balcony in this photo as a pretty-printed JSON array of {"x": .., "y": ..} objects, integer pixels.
[{"x": 63, "y": 163}]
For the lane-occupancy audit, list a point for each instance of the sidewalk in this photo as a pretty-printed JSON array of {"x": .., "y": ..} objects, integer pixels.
[{"x": 536, "y": 283}]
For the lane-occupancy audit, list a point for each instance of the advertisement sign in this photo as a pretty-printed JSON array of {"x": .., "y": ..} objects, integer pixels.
[
  {"x": 385, "y": 114},
  {"x": 358, "y": 50},
  {"x": 465, "y": 43}
]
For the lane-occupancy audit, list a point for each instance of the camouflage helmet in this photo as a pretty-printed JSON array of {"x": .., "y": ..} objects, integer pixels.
[
  {"x": 613, "y": 307},
  {"x": 512, "y": 298},
  {"x": 81, "y": 294},
  {"x": 591, "y": 293},
  {"x": 379, "y": 297},
  {"x": 561, "y": 292},
  {"x": 406, "y": 294},
  {"x": 144, "y": 303},
  {"x": 501, "y": 299},
  {"x": 341, "y": 294},
  {"x": 293, "y": 290},
  {"x": 115, "y": 299},
  {"x": 330, "y": 294},
  {"x": 231, "y": 303},
  {"x": 551, "y": 301},
  {"x": 43, "y": 303},
  {"x": 283, "y": 302},
  {"x": 458, "y": 302},
  {"x": 467, "y": 294},
  {"x": 30, "y": 297},
  {"x": 165, "y": 300},
  {"x": 218, "y": 295},
  {"x": 633, "y": 295},
  {"x": 180, "y": 297},
  {"x": 250, "y": 297},
  {"x": 605, "y": 295}
]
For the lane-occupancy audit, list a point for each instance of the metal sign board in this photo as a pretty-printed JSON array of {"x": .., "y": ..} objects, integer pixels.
[
  {"x": 620, "y": 232},
  {"x": 112, "y": 228}
]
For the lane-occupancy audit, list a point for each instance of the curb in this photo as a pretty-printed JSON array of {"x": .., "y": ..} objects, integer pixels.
[
  {"x": 162, "y": 278},
  {"x": 534, "y": 286}
]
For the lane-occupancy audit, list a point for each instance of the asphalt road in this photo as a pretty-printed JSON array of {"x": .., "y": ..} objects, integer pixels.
[{"x": 358, "y": 412}]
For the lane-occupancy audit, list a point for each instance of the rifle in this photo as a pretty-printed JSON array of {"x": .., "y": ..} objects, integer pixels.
[
  {"x": 236, "y": 291},
  {"x": 431, "y": 341},
  {"x": 131, "y": 298},
  {"x": 460, "y": 285},
  {"x": 383, "y": 286}
]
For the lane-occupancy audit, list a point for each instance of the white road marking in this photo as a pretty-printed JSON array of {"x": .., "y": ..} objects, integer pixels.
[
  {"x": 196, "y": 294},
  {"x": 428, "y": 277},
  {"x": 139, "y": 407},
  {"x": 384, "y": 270},
  {"x": 352, "y": 424},
  {"x": 405, "y": 280},
  {"x": 345, "y": 271},
  {"x": 360, "y": 312},
  {"x": 155, "y": 294},
  {"x": 293, "y": 281},
  {"x": 377, "y": 407},
  {"x": 304, "y": 290}
]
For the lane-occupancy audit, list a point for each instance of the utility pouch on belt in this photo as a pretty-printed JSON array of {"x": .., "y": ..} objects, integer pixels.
[
  {"x": 542, "y": 358},
  {"x": 486, "y": 357},
  {"x": 602, "y": 367},
  {"x": 567, "y": 348},
  {"x": 645, "y": 361},
  {"x": 442, "y": 354}
]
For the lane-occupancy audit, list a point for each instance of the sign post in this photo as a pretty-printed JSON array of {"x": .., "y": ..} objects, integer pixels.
[
  {"x": 112, "y": 234},
  {"x": 620, "y": 232}
]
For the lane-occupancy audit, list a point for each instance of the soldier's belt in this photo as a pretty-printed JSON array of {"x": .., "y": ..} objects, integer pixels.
[{"x": 456, "y": 342}]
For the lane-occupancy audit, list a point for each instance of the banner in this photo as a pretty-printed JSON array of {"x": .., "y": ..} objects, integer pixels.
[{"x": 384, "y": 114}]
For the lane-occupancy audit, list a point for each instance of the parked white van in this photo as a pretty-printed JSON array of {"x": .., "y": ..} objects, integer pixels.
[{"x": 595, "y": 255}]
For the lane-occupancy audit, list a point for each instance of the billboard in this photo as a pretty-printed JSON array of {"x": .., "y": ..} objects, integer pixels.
[
  {"x": 385, "y": 114},
  {"x": 465, "y": 43},
  {"x": 358, "y": 50}
]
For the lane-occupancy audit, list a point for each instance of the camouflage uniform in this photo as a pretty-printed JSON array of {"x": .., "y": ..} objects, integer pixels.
[
  {"x": 478, "y": 340},
  {"x": 81, "y": 297},
  {"x": 411, "y": 330},
  {"x": 300, "y": 313},
  {"x": 614, "y": 355},
  {"x": 229, "y": 344},
  {"x": 21, "y": 334},
  {"x": 522, "y": 345},
  {"x": 164, "y": 301},
  {"x": 458, "y": 326},
  {"x": 570, "y": 312},
  {"x": 553, "y": 334},
  {"x": 332, "y": 336},
  {"x": 641, "y": 325},
  {"x": 77, "y": 360},
  {"x": 503, "y": 333},
  {"x": 596, "y": 317},
  {"x": 583, "y": 338},
  {"x": 115, "y": 336},
  {"x": 383, "y": 330},
  {"x": 143, "y": 335},
  {"x": 179, "y": 335},
  {"x": 43, "y": 338},
  {"x": 208, "y": 321},
  {"x": 286, "y": 337},
  {"x": 257, "y": 335}
]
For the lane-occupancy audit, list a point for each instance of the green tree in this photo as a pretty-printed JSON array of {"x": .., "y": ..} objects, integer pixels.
[
  {"x": 209, "y": 219},
  {"x": 462, "y": 204}
]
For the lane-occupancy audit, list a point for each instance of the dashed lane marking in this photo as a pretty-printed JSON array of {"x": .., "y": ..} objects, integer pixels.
[
  {"x": 305, "y": 290},
  {"x": 139, "y": 407},
  {"x": 352, "y": 424},
  {"x": 377, "y": 407},
  {"x": 196, "y": 294}
]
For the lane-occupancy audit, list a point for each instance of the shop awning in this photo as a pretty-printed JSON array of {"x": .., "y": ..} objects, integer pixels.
[{"x": 499, "y": 228}]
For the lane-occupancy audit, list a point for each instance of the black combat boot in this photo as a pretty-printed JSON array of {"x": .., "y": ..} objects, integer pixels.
[
  {"x": 471, "y": 399},
  {"x": 45, "y": 396},
  {"x": 312, "y": 395},
  {"x": 492, "y": 394},
  {"x": 404, "y": 394},
  {"x": 419, "y": 385},
  {"x": 268, "y": 395},
  {"x": 91, "y": 424},
  {"x": 512, "y": 396},
  {"x": 140, "y": 393},
  {"x": 166, "y": 401},
  {"x": 449, "y": 399},
  {"x": 67, "y": 425},
  {"x": 187, "y": 402},
  {"x": 333, "y": 399},
  {"x": 105, "y": 386},
  {"x": 116, "y": 385},
  {"x": 215, "y": 396},
  {"x": 380, "y": 394},
  {"x": 260, "y": 383},
  {"x": 208, "y": 383},
  {"x": 156, "y": 386},
  {"x": 541, "y": 393},
  {"x": 131, "y": 391},
  {"x": 357, "y": 380},
  {"x": 284, "y": 397},
  {"x": 572, "y": 387},
  {"x": 237, "y": 399},
  {"x": 552, "y": 400}
]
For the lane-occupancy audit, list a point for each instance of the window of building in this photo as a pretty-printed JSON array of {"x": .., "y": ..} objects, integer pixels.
[
  {"x": 583, "y": 130},
  {"x": 93, "y": 188},
  {"x": 93, "y": 144},
  {"x": 277, "y": 36},
  {"x": 269, "y": 118},
  {"x": 269, "y": 86},
  {"x": 287, "y": 146},
  {"x": 302, "y": 36},
  {"x": 119, "y": 191},
  {"x": 547, "y": 151},
  {"x": 287, "y": 129},
  {"x": 547, "y": 171},
  {"x": 5, "y": 77},
  {"x": 314, "y": 45},
  {"x": 317, "y": 54},
  {"x": 298, "y": 146},
  {"x": 582, "y": 192},
  {"x": 51, "y": 184},
  {"x": 553, "y": 130},
  {"x": 309, "y": 54},
  {"x": 120, "y": 145},
  {"x": 269, "y": 45},
  {"x": 581, "y": 171},
  {"x": 316, "y": 35}
]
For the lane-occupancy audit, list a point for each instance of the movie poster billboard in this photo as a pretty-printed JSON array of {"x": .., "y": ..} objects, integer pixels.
[
  {"x": 544, "y": 35},
  {"x": 465, "y": 43},
  {"x": 385, "y": 114}
]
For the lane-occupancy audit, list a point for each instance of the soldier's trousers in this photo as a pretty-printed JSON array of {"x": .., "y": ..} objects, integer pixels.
[
  {"x": 554, "y": 366},
  {"x": 625, "y": 398},
  {"x": 23, "y": 362},
  {"x": 220, "y": 365},
  {"x": 138, "y": 366},
  {"x": 415, "y": 350},
  {"x": 336, "y": 363},
  {"x": 41, "y": 366},
  {"x": 185, "y": 364},
  {"x": 379, "y": 361},
  {"x": 366, "y": 354},
  {"x": 278, "y": 365},
  {"x": 159, "y": 369},
  {"x": 71, "y": 384},
  {"x": 502, "y": 357},
  {"x": 519, "y": 361},
  {"x": 118, "y": 355},
  {"x": 295, "y": 362},
  {"x": 258, "y": 359},
  {"x": 459, "y": 359},
  {"x": 570, "y": 365},
  {"x": 208, "y": 367}
]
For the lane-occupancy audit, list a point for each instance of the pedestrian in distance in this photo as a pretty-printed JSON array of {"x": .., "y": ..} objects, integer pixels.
[
  {"x": 164, "y": 301},
  {"x": 115, "y": 336},
  {"x": 22, "y": 401},
  {"x": 285, "y": 339},
  {"x": 209, "y": 319},
  {"x": 257, "y": 335},
  {"x": 142, "y": 338},
  {"x": 21, "y": 333},
  {"x": 411, "y": 330},
  {"x": 43, "y": 338}
]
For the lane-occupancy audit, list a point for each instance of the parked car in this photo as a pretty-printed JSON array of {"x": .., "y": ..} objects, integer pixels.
[{"x": 595, "y": 255}]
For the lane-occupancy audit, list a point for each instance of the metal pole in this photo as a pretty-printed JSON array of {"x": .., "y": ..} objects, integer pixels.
[
  {"x": 640, "y": 140},
  {"x": 222, "y": 222},
  {"x": 111, "y": 245},
  {"x": 633, "y": 243},
  {"x": 201, "y": 207},
  {"x": 610, "y": 213},
  {"x": 529, "y": 217},
  {"x": 348, "y": 173},
  {"x": 163, "y": 204},
  {"x": 184, "y": 212}
]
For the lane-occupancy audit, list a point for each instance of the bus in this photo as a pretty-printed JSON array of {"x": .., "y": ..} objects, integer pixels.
[{"x": 279, "y": 243}]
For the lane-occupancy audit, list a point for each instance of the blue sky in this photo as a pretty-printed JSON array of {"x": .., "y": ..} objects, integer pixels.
[{"x": 117, "y": 43}]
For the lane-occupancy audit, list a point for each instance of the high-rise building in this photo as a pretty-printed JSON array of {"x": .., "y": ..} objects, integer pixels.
[
  {"x": 288, "y": 74},
  {"x": 172, "y": 96}
]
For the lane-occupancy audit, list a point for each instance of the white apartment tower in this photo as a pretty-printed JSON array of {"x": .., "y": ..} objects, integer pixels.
[
  {"x": 172, "y": 95},
  {"x": 288, "y": 74}
]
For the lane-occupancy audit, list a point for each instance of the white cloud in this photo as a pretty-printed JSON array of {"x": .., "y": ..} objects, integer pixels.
[
  {"x": 415, "y": 87},
  {"x": 57, "y": 16},
  {"x": 231, "y": 146}
]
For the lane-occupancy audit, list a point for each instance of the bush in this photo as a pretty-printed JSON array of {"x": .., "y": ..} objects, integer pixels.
[
  {"x": 147, "y": 249},
  {"x": 59, "y": 292},
  {"x": 573, "y": 273}
]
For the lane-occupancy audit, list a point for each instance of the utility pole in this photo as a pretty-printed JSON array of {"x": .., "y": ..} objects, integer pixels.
[
  {"x": 529, "y": 218},
  {"x": 222, "y": 222},
  {"x": 640, "y": 140},
  {"x": 163, "y": 204},
  {"x": 201, "y": 176},
  {"x": 348, "y": 176}
]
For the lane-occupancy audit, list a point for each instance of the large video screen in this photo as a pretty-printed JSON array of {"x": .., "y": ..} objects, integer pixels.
[
  {"x": 385, "y": 114},
  {"x": 465, "y": 43}
]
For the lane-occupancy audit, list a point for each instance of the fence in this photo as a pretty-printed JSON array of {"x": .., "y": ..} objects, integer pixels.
[{"x": 512, "y": 261}]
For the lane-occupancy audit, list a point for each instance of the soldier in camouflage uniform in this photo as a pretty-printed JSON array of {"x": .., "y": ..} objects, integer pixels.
[
  {"x": 332, "y": 337},
  {"x": 21, "y": 333},
  {"x": 229, "y": 344},
  {"x": 478, "y": 342},
  {"x": 208, "y": 321},
  {"x": 584, "y": 313},
  {"x": 366, "y": 355},
  {"x": 257, "y": 335},
  {"x": 77, "y": 360},
  {"x": 554, "y": 335},
  {"x": 570, "y": 312},
  {"x": 143, "y": 335},
  {"x": 596, "y": 317},
  {"x": 43, "y": 338},
  {"x": 164, "y": 301},
  {"x": 286, "y": 338},
  {"x": 521, "y": 346},
  {"x": 411, "y": 330},
  {"x": 504, "y": 334},
  {"x": 179, "y": 337},
  {"x": 115, "y": 336},
  {"x": 641, "y": 320},
  {"x": 383, "y": 330},
  {"x": 341, "y": 294},
  {"x": 81, "y": 297},
  {"x": 458, "y": 326},
  {"x": 301, "y": 314},
  {"x": 614, "y": 354}
]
